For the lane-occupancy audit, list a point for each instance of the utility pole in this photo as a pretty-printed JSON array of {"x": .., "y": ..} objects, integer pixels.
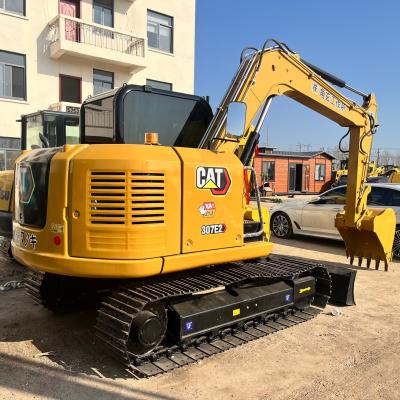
[{"x": 377, "y": 157}]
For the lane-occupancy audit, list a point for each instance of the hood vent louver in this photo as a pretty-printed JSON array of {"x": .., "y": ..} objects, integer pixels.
[{"x": 120, "y": 198}]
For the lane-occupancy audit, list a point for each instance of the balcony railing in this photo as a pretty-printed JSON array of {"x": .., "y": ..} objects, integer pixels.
[{"x": 75, "y": 30}]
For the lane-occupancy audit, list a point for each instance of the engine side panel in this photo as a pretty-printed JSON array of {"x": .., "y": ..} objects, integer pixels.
[
  {"x": 125, "y": 202},
  {"x": 212, "y": 205}
]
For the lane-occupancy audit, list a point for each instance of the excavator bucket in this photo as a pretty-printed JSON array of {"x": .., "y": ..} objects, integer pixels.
[{"x": 372, "y": 239}]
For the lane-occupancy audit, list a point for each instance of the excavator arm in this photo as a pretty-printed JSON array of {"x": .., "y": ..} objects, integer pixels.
[{"x": 277, "y": 71}]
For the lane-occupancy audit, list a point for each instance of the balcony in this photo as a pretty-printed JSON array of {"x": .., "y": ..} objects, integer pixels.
[{"x": 74, "y": 37}]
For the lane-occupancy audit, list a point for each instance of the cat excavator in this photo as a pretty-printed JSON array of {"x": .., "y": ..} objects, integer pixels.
[{"x": 167, "y": 224}]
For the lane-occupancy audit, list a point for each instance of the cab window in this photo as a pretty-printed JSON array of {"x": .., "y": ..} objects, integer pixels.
[
  {"x": 50, "y": 123},
  {"x": 72, "y": 131},
  {"x": 34, "y": 126}
]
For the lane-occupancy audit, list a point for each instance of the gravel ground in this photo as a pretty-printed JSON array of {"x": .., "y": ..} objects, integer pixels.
[{"x": 351, "y": 356}]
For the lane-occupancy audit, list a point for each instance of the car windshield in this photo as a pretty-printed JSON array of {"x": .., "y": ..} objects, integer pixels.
[{"x": 334, "y": 196}]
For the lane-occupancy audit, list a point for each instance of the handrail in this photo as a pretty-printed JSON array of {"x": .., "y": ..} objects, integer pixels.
[{"x": 77, "y": 30}]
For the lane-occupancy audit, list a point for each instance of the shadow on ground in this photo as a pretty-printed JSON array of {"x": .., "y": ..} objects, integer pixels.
[
  {"x": 39, "y": 379},
  {"x": 69, "y": 337},
  {"x": 330, "y": 246}
]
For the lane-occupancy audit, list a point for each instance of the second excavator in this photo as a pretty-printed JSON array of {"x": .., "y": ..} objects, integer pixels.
[{"x": 169, "y": 227}]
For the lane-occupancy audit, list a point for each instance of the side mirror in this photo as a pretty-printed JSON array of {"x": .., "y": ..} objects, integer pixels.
[{"x": 236, "y": 118}]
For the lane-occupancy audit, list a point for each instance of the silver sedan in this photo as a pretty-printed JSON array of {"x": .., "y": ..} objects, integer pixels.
[{"x": 316, "y": 217}]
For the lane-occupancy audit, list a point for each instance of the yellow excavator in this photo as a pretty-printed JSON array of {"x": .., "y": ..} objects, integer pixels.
[
  {"x": 44, "y": 128},
  {"x": 339, "y": 176},
  {"x": 158, "y": 211},
  {"x": 394, "y": 177}
]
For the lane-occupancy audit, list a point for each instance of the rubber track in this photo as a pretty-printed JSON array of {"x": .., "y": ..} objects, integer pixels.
[
  {"x": 117, "y": 313},
  {"x": 33, "y": 282}
]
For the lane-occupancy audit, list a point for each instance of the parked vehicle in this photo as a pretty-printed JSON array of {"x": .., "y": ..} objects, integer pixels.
[{"x": 316, "y": 217}]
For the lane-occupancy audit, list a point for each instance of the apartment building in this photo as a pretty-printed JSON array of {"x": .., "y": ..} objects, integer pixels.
[{"x": 56, "y": 53}]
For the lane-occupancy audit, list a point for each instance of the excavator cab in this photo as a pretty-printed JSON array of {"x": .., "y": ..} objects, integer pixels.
[
  {"x": 49, "y": 128},
  {"x": 124, "y": 116}
]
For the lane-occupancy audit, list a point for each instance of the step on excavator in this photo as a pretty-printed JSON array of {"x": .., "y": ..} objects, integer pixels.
[{"x": 157, "y": 210}]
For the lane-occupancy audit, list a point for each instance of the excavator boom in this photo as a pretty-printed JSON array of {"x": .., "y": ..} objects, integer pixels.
[{"x": 277, "y": 71}]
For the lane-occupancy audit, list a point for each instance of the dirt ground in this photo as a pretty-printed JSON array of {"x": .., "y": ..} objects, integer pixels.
[{"x": 355, "y": 355}]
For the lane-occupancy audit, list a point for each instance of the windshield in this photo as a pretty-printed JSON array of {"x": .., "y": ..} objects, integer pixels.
[{"x": 178, "y": 121}]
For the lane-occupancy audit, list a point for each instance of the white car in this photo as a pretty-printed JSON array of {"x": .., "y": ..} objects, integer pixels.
[{"x": 316, "y": 217}]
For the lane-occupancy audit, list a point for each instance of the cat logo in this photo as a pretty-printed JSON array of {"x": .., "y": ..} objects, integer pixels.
[{"x": 215, "y": 179}]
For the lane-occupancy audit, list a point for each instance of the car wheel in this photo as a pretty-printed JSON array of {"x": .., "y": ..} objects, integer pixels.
[
  {"x": 281, "y": 226},
  {"x": 396, "y": 242}
]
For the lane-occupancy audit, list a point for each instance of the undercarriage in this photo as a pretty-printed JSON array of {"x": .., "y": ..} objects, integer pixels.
[{"x": 154, "y": 325}]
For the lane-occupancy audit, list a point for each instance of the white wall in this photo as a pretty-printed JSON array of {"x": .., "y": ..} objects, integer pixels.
[{"x": 29, "y": 35}]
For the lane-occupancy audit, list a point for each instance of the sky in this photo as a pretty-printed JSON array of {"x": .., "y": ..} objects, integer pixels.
[{"x": 356, "y": 40}]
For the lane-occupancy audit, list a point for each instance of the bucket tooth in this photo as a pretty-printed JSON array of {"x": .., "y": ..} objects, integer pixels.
[
  {"x": 368, "y": 262},
  {"x": 360, "y": 261},
  {"x": 377, "y": 262},
  {"x": 386, "y": 266},
  {"x": 351, "y": 259}
]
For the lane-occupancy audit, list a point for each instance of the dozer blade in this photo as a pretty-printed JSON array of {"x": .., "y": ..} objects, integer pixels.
[{"x": 372, "y": 239}]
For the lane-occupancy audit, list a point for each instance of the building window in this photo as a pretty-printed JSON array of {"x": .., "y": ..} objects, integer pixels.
[
  {"x": 103, "y": 12},
  {"x": 159, "y": 84},
  {"x": 9, "y": 151},
  {"x": 102, "y": 81},
  {"x": 268, "y": 171},
  {"x": 13, "y": 6},
  {"x": 320, "y": 172},
  {"x": 12, "y": 75},
  {"x": 70, "y": 89},
  {"x": 160, "y": 31}
]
